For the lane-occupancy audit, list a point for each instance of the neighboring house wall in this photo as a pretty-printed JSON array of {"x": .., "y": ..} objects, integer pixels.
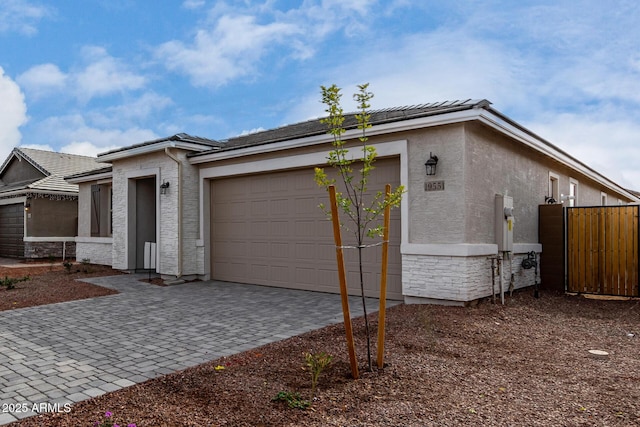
[
  {"x": 20, "y": 171},
  {"x": 50, "y": 228},
  {"x": 52, "y": 218}
]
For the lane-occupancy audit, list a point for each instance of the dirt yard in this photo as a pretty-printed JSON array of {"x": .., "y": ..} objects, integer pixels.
[{"x": 523, "y": 364}]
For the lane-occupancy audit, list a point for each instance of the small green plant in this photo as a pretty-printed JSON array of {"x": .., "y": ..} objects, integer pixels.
[
  {"x": 109, "y": 421},
  {"x": 67, "y": 266},
  {"x": 10, "y": 282},
  {"x": 292, "y": 399},
  {"x": 316, "y": 364}
]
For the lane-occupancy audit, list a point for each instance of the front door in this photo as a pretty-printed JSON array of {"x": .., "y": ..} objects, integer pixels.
[{"x": 145, "y": 217}]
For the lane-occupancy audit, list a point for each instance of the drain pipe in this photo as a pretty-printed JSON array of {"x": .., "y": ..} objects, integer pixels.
[
  {"x": 179, "y": 163},
  {"x": 501, "y": 285}
]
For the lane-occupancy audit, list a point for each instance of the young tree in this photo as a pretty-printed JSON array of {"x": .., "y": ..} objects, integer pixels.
[{"x": 362, "y": 211}]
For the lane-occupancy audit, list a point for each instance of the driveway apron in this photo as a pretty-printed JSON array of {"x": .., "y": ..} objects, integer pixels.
[{"x": 59, "y": 354}]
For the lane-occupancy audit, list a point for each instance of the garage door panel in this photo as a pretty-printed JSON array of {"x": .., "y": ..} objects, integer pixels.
[
  {"x": 12, "y": 230},
  {"x": 280, "y": 250},
  {"x": 259, "y": 207},
  {"x": 281, "y": 209},
  {"x": 304, "y": 229},
  {"x": 306, "y": 206}
]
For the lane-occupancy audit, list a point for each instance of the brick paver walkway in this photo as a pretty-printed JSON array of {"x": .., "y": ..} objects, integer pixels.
[{"x": 68, "y": 352}]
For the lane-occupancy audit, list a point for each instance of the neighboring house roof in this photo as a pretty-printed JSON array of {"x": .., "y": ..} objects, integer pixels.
[
  {"x": 180, "y": 140},
  {"x": 377, "y": 117},
  {"x": 53, "y": 166}
]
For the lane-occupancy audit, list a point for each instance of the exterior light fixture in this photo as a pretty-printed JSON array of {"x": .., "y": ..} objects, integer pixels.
[
  {"x": 27, "y": 206},
  {"x": 431, "y": 164},
  {"x": 163, "y": 187}
]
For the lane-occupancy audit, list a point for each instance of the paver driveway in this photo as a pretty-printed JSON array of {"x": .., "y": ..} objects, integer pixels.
[{"x": 67, "y": 352}]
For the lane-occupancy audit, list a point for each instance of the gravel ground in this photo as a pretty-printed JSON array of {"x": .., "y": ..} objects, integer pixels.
[{"x": 526, "y": 363}]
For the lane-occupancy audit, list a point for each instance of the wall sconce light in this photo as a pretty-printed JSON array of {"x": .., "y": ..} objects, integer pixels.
[
  {"x": 27, "y": 206},
  {"x": 163, "y": 187},
  {"x": 431, "y": 164}
]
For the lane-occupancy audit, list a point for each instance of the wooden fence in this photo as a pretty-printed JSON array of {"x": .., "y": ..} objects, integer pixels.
[{"x": 602, "y": 250}]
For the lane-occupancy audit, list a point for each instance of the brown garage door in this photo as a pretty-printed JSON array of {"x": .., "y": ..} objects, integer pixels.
[
  {"x": 12, "y": 230},
  {"x": 267, "y": 229}
]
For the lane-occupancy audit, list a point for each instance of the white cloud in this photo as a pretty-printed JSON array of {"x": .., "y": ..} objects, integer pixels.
[
  {"x": 44, "y": 147},
  {"x": 193, "y": 4},
  {"x": 130, "y": 112},
  {"x": 609, "y": 145},
  {"x": 101, "y": 75},
  {"x": 75, "y": 136},
  {"x": 229, "y": 50},
  {"x": 21, "y": 16},
  {"x": 423, "y": 68},
  {"x": 13, "y": 114},
  {"x": 104, "y": 75},
  {"x": 43, "y": 79}
]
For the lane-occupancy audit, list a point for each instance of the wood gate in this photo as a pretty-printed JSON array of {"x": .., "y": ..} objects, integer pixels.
[{"x": 602, "y": 250}]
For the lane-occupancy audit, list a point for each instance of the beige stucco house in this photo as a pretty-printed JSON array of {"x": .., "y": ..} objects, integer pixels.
[
  {"x": 245, "y": 209},
  {"x": 38, "y": 208}
]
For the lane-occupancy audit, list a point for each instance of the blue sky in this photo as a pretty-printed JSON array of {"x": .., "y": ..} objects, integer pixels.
[{"x": 88, "y": 76}]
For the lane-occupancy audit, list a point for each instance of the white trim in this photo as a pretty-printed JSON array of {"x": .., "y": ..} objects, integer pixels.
[
  {"x": 435, "y": 120},
  {"x": 549, "y": 149},
  {"x": 91, "y": 178},
  {"x": 464, "y": 249},
  {"x": 49, "y": 239},
  {"x": 554, "y": 186},
  {"x": 13, "y": 201},
  {"x": 454, "y": 249},
  {"x": 384, "y": 149},
  {"x": 604, "y": 198},
  {"x": 483, "y": 115},
  {"x": 150, "y": 148},
  {"x": 84, "y": 239},
  {"x": 576, "y": 184}
]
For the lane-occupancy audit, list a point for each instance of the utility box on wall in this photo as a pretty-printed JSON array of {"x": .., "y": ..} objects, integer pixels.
[{"x": 504, "y": 223}]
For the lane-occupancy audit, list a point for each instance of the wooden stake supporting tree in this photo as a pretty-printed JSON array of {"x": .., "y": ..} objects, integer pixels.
[
  {"x": 342, "y": 275},
  {"x": 363, "y": 214},
  {"x": 383, "y": 279}
]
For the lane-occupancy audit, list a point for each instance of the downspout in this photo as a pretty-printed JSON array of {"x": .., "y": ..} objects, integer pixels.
[{"x": 179, "y": 163}]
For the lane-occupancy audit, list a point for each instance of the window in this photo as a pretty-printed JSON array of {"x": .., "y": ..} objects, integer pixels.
[
  {"x": 573, "y": 192},
  {"x": 603, "y": 198},
  {"x": 554, "y": 187},
  {"x": 101, "y": 213}
]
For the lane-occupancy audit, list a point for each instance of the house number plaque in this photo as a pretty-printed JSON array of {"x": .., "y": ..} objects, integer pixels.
[{"x": 434, "y": 186}]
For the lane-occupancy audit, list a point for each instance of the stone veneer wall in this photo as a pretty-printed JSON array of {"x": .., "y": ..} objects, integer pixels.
[
  {"x": 37, "y": 250},
  {"x": 458, "y": 279}
]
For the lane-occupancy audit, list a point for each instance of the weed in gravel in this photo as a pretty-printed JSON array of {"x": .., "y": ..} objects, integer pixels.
[
  {"x": 67, "y": 266},
  {"x": 293, "y": 400},
  {"x": 109, "y": 421},
  {"x": 10, "y": 282},
  {"x": 316, "y": 364}
]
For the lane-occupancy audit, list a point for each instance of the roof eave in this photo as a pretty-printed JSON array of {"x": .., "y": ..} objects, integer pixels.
[
  {"x": 503, "y": 124},
  {"x": 457, "y": 116},
  {"x": 150, "y": 148},
  {"x": 73, "y": 179},
  {"x": 25, "y": 191}
]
